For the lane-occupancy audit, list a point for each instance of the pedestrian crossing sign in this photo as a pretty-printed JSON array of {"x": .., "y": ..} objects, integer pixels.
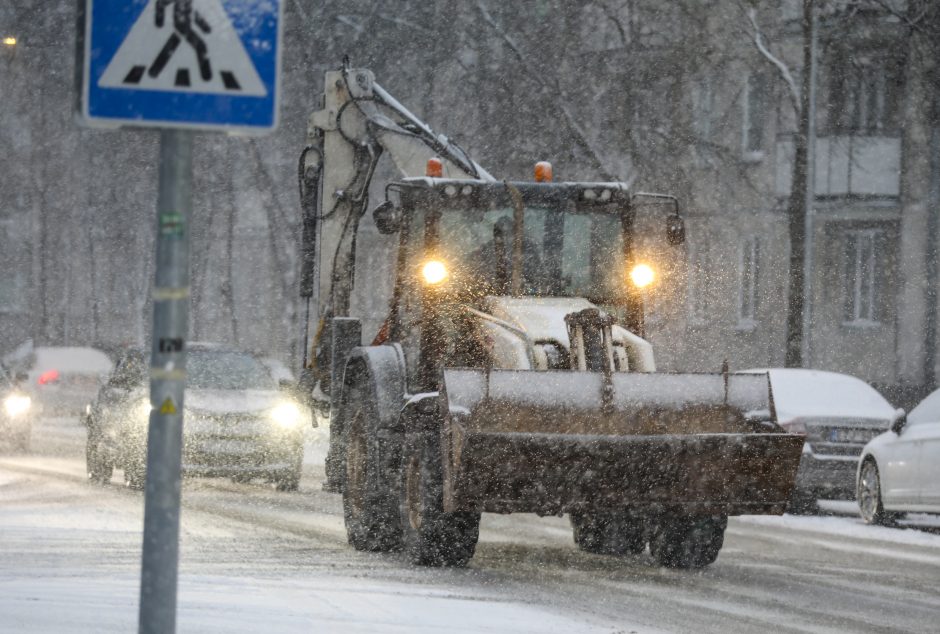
[{"x": 198, "y": 64}]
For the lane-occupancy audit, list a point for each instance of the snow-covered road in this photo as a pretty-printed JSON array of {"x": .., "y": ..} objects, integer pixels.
[{"x": 256, "y": 560}]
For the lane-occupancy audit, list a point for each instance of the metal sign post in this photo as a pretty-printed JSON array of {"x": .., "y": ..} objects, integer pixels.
[
  {"x": 167, "y": 380},
  {"x": 180, "y": 66}
]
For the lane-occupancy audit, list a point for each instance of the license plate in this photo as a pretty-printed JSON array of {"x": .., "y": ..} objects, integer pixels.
[
  {"x": 855, "y": 436},
  {"x": 225, "y": 447}
]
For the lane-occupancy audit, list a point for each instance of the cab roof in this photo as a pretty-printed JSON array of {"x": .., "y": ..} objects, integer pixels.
[{"x": 498, "y": 193}]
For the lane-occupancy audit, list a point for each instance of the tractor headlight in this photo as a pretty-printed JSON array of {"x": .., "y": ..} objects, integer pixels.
[
  {"x": 434, "y": 272},
  {"x": 287, "y": 415},
  {"x": 17, "y": 404},
  {"x": 642, "y": 275}
]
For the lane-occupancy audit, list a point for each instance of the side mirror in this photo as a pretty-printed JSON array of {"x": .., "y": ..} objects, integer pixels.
[
  {"x": 387, "y": 218},
  {"x": 675, "y": 230},
  {"x": 899, "y": 421}
]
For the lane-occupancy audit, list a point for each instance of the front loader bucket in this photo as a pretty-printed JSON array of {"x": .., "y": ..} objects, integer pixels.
[{"x": 554, "y": 441}]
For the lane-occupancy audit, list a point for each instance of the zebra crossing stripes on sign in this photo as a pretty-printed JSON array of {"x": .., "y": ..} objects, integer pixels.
[{"x": 182, "y": 63}]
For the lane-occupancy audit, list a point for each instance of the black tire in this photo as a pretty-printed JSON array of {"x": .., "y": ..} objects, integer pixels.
[
  {"x": 370, "y": 500},
  {"x": 802, "y": 503},
  {"x": 868, "y": 493},
  {"x": 608, "y": 532},
  {"x": 21, "y": 442},
  {"x": 97, "y": 465},
  {"x": 432, "y": 537},
  {"x": 688, "y": 542},
  {"x": 289, "y": 480},
  {"x": 135, "y": 471}
]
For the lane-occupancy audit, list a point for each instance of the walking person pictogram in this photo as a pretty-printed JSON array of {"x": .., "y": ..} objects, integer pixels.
[
  {"x": 189, "y": 46},
  {"x": 183, "y": 18}
]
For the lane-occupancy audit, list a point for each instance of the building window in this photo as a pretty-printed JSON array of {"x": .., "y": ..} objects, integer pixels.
[
  {"x": 863, "y": 273},
  {"x": 864, "y": 95},
  {"x": 702, "y": 104},
  {"x": 748, "y": 267},
  {"x": 696, "y": 283},
  {"x": 755, "y": 116}
]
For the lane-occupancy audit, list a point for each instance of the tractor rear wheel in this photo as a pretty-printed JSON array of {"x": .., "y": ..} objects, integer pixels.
[
  {"x": 688, "y": 542},
  {"x": 608, "y": 532},
  {"x": 431, "y": 536},
  {"x": 370, "y": 501}
]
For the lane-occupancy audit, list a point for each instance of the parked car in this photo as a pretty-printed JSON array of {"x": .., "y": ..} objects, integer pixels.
[
  {"x": 16, "y": 413},
  {"x": 899, "y": 470},
  {"x": 64, "y": 379},
  {"x": 237, "y": 423},
  {"x": 838, "y": 414}
]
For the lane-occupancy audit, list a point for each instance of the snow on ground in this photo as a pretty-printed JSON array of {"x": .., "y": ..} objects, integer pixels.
[
  {"x": 851, "y": 527},
  {"x": 255, "y": 559},
  {"x": 69, "y": 557}
]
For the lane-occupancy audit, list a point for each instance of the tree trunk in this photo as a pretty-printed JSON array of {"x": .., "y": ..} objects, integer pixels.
[{"x": 796, "y": 207}]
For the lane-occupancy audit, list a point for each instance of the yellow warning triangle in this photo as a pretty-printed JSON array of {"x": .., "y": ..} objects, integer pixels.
[{"x": 168, "y": 407}]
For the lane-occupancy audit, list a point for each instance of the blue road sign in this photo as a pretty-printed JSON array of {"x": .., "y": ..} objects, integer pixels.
[{"x": 198, "y": 64}]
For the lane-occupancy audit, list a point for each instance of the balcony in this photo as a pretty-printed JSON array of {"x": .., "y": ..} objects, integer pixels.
[{"x": 857, "y": 166}]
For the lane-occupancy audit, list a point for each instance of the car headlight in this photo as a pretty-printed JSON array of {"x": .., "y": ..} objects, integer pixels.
[
  {"x": 434, "y": 272},
  {"x": 143, "y": 409},
  {"x": 287, "y": 415},
  {"x": 17, "y": 404}
]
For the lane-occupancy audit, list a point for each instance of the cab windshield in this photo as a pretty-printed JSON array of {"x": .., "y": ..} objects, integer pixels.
[{"x": 564, "y": 253}]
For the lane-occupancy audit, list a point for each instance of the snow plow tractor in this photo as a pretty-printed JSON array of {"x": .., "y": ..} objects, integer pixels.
[{"x": 510, "y": 374}]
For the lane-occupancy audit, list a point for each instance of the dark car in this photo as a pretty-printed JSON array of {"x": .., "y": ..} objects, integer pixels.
[
  {"x": 106, "y": 417},
  {"x": 837, "y": 414},
  {"x": 237, "y": 422}
]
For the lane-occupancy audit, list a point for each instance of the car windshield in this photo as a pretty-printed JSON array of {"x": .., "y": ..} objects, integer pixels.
[
  {"x": 564, "y": 253},
  {"x": 226, "y": 371}
]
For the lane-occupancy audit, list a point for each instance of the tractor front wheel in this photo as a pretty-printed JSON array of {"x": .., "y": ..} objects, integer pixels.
[{"x": 431, "y": 536}]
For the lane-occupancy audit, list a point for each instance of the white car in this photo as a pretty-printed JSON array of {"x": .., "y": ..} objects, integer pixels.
[
  {"x": 65, "y": 379},
  {"x": 237, "y": 422},
  {"x": 899, "y": 471}
]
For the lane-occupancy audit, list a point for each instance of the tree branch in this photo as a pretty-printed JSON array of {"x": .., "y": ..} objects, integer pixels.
[
  {"x": 776, "y": 61},
  {"x": 579, "y": 133}
]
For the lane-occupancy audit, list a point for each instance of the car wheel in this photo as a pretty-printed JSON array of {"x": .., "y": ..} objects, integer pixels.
[
  {"x": 802, "y": 503},
  {"x": 608, "y": 533},
  {"x": 21, "y": 442},
  {"x": 432, "y": 537},
  {"x": 287, "y": 481},
  {"x": 135, "y": 472},
  {"x": 97, "y": 465},
  {"x": 688, "y": 542},
  {"x": 870, "y": 504}
]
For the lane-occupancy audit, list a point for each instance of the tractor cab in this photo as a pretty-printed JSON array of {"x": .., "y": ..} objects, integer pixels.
[{"x": 487, "y": 271}]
